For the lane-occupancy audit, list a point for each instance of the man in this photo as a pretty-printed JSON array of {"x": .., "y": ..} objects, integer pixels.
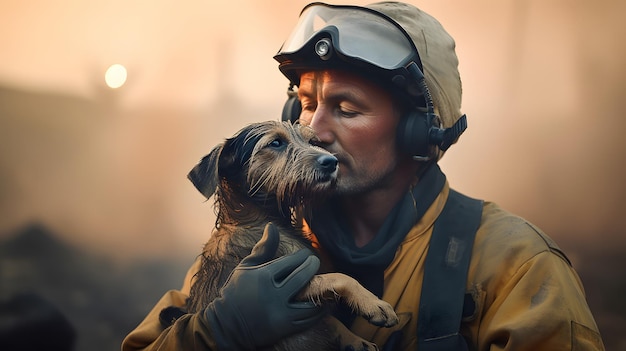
[{"x": 380, "y": 86}]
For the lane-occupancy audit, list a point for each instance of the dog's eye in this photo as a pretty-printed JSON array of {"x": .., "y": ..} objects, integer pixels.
[{"x": 276, "y": 143}]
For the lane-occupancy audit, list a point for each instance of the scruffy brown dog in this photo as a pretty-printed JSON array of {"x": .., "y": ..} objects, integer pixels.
[{"x": 270, "y": 172}]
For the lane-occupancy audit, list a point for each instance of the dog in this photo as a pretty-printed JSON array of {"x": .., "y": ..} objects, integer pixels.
[{"x": 271, "y": 172}]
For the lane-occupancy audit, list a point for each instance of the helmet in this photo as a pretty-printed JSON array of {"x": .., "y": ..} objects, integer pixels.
[
  {"x": 438, "y": 55},
  {"x": 383, "y": 39}
]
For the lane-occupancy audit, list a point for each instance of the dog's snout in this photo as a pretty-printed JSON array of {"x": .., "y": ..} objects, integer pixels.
[{"x": 327, "y": 163}]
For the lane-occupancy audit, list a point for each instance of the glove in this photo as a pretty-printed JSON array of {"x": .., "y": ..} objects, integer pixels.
[{"x": 256, "y": 306}]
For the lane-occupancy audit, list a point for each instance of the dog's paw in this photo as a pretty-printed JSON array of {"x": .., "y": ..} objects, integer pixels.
[
  {"x": 381, "y": 314},
  {"x": 340, "y": 286}
]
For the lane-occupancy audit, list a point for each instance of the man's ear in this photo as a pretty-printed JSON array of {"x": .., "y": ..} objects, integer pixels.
[{"x": 204, "y": 175}]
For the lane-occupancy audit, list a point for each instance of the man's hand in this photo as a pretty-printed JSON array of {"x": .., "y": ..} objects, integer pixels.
[{"x": 257, "y": 307}]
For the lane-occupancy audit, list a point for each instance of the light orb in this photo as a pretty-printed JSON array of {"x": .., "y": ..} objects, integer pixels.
[{"x": 115, "y": 76}]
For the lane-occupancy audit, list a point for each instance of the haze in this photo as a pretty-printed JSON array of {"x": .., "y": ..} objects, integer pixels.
[{"x": 106, "y": 169}]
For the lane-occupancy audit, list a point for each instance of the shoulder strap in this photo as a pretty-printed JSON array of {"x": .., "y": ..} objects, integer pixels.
[{"x": 445, "y": 275}]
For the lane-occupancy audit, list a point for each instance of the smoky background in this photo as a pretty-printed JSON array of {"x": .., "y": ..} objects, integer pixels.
[{"x": 96, "y": 213}]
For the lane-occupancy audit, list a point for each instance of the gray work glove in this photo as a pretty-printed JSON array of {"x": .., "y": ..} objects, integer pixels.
[{"x": 256, "y": 307}]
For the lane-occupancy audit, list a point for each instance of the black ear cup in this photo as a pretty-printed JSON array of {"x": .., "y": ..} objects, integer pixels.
[
  {"x": 418, "y": 132},
  {"x": 292, "y": 109},
  {"x": 412, "y": 134}
]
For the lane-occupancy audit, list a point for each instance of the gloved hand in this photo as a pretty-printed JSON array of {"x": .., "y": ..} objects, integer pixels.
[{"x": 256, "y": 307}]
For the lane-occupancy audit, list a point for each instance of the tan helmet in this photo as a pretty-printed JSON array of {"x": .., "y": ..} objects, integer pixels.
[{"x": 437, "y": 51}]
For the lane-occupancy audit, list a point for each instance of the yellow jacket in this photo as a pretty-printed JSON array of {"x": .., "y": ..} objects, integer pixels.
[{"x": 527, "y": 295}]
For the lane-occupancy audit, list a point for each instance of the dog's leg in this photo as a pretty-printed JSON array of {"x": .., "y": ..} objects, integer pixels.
[{"x": 332, "y": 286}]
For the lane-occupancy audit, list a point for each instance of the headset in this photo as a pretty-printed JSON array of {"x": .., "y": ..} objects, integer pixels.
[{"x": 417, "y": 131}]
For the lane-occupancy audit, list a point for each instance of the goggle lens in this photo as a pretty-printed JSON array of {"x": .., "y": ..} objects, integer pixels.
[{"x": 353, "y": 31}]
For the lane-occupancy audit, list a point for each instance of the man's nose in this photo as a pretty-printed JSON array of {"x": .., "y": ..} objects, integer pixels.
[{"x": 321, "y": 123}]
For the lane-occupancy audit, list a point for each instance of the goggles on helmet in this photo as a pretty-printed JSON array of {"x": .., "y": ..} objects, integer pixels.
[{"x": 354, "y": 37}]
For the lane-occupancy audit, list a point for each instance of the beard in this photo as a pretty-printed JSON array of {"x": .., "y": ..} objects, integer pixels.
[{"x": 361, "y": 181}]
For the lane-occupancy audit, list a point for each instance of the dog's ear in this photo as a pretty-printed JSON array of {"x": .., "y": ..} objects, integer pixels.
[{"x": 204, "y": 175}]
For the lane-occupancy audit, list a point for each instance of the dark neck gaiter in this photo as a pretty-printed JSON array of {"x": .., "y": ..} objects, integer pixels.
[{"x": 368, "y": 263}]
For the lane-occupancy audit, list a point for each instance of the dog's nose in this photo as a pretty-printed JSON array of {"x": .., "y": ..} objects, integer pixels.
[{"x": 327, "y": 163}]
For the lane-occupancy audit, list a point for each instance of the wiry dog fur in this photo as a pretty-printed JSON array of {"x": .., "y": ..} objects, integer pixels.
[{"x": 270, "y": 172}]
